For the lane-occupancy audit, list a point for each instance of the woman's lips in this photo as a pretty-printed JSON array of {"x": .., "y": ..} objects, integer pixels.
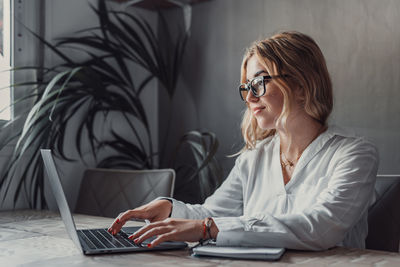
[{"x": 257, "y": 110}]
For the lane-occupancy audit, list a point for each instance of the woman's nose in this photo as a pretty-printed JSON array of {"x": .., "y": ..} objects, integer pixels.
[{"x": 250, "y": 97}]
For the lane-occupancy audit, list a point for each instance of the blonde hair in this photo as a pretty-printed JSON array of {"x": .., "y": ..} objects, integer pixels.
[{"x": 299, "y": 57}]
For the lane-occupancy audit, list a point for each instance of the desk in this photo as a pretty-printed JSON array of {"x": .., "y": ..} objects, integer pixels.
[{"x": 38, "y": 238}]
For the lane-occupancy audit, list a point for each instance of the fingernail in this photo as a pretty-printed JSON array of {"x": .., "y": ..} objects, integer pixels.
[
  {"x": 136, "y": 240},
  {"x": 117, "y": 221},
  {"x": 149, "y": 245}
]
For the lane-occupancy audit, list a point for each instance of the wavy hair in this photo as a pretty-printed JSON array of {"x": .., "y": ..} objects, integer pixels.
[{"x": 299, "y": 57}]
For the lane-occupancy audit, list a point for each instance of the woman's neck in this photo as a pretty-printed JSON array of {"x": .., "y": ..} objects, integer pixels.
[{"x": 298, "y": 134}]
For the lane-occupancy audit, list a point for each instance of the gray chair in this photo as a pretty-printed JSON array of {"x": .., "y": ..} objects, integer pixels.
[
  {"x": 105, "y": 192},
  {"x": 384, "y": 215}
]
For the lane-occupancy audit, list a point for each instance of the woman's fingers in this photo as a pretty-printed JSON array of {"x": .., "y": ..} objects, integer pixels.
[
  {"x": 154, "y": 211},
  {"x": 170, "y": 230},
  {"x": 114, "y": 228},
  {"x": 161, "y": 238},
  {"x": 122, "y": 219},
  {"x": 157, "y": 231},
  {"x": 145, "y": 229},
  {"x": 166, "y": 230}
]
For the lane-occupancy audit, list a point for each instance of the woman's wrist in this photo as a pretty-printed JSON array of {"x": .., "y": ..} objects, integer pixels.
[
  {"x": 213, "y": 230},
  {"x": 209, "y": 229},
  {"x": 168, "y": 204}
]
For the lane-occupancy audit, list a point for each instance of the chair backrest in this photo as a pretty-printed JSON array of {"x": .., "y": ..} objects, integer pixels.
[
  {"x": 107, "y": 192},
  {"x": 384, "y": 215}
]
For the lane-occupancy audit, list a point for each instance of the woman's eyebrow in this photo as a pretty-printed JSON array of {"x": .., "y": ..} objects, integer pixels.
[{"x": 258, "y": 73}]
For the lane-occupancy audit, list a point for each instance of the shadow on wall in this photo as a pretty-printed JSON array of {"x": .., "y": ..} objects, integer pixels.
[{"x": 359, "y": 39}]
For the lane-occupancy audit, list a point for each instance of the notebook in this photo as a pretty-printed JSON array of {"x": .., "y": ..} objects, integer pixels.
[
  {"x": 254, "y": 253},
  {"x": 95, "y": 241}
]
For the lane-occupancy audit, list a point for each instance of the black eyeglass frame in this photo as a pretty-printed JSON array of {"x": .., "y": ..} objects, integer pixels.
[{"x": 247, "y": 86}]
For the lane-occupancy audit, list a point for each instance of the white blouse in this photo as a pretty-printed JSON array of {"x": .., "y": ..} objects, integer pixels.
[{"x": 324, "y": 204}]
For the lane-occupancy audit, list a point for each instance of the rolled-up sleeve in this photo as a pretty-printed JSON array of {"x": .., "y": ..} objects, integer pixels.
[{"x": 320, "y": 226}]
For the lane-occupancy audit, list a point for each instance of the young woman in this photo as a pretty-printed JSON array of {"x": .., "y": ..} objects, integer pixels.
[{"x": 298, "y": 183}]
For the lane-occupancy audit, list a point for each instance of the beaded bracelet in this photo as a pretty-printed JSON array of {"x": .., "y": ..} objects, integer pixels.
[{"x": 206, "y": 230}]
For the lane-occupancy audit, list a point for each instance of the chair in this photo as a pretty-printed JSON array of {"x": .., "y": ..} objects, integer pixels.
[
  {"x": 106, "y": 192},
  {"x": 384, "y": 215}
]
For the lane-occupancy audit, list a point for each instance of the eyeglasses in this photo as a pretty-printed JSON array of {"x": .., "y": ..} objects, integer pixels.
[{"x": 256, "y": 85}]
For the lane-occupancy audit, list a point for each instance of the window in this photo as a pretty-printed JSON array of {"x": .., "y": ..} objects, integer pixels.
[{"x": 5, "y": 63}]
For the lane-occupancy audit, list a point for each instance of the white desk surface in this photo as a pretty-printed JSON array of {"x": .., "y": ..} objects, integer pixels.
[{"x": 38, "y": 238}]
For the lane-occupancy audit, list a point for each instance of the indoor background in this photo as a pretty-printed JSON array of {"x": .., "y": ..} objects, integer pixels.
[{"x": 359, "y": 39}]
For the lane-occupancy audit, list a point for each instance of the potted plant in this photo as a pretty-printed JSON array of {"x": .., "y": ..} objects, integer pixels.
[{"x": 100, "y": 85}]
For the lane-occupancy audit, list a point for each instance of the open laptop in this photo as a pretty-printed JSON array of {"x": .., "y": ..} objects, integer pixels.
[{"x": 95, "y": 241}]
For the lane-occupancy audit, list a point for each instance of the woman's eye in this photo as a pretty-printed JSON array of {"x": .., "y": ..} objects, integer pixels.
[{"x": 257, "y": 83}]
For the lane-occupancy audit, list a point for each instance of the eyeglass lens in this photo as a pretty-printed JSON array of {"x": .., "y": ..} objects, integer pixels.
[{"x": 256, "y": 87}]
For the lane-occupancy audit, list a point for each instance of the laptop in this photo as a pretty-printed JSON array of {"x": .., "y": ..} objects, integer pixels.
[{"x": 95, "y": 241}]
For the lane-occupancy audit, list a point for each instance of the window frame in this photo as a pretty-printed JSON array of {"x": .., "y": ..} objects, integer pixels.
[
  {"x": 6, "y": 57},
  {"x": 25, "y": 50}
]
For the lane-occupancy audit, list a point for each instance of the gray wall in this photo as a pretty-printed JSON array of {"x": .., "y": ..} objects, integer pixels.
[{"x": 359, "y": 39}]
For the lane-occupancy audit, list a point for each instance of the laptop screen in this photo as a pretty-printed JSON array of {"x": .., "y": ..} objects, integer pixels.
[{"x": 59, "y": 195}]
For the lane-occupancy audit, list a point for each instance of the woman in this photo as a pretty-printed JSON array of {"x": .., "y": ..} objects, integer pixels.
[{"x": 298, "y": 183}]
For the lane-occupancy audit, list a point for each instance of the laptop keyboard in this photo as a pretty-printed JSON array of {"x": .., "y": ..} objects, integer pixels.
[{"x": 100, "y": 238}]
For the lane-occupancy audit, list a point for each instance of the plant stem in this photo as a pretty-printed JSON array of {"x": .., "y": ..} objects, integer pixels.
[
  {"x": 150, "y": 147},
  {"x": 135, "y": 132},
  {"x": 166, "y": 136}
]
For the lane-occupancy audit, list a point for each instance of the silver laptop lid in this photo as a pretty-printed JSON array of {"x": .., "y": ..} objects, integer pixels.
[{"x": 59, "y": 195}]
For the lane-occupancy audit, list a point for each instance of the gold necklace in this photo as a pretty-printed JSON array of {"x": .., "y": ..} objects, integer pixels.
[{"x": 286, "y": 162}]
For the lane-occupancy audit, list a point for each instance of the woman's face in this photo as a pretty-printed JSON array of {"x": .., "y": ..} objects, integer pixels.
[{"x": 267, "y": 108}]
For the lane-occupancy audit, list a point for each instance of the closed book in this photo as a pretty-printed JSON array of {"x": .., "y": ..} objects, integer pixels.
[{"x": 255, "y": 253}]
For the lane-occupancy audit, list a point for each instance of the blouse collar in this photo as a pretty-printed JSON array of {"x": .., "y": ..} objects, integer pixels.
[{"x": 314, "y": 147}]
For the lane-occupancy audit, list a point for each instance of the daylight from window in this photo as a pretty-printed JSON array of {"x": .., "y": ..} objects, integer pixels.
[
  {"x": 5, "y": 99},
  {"x": 4, "y": 93}
]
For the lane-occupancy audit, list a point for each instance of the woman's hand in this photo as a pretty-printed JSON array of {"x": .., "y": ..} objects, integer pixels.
[
  {"x": 170, "y": 230},
  {"x": 153, "y": 211}
]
